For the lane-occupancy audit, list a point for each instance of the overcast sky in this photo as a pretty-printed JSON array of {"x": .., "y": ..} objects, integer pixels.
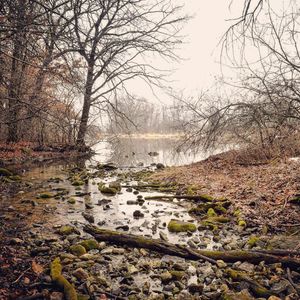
[{"x": 201, "y": 50}]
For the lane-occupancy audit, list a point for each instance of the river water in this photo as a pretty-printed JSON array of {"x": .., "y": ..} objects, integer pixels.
[{"x": 130, "y": 155}]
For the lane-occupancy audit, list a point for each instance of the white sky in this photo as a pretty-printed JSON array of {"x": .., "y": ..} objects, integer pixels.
[{"x": 201, "y": 50}]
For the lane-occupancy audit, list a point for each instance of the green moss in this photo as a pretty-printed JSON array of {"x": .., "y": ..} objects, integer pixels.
[
  {"x": 177, "y": 275},
  {"x": 206, "y": 197},
  {"x": 237, "y": 213},
  {"x": 77, "y": 250},
  {"x": 242, "y": 223},
  {"x": 77, "y": 183},
  {"x": 191, "y": 190},
  {"x": 71, "y": 201},
  {"x": 45, "y": 195},
  {"x": 5, "y": 172},
  {"x": 89, "y": 244},
  {"x": 107, "y": 190},
  {"x": 179, "y": 226},
  {"x": 252, "y": 241},
  {"x": 61, "y": 281},
  {"x": 211, "y": 212},
  {"x": 67, "y": 230}
]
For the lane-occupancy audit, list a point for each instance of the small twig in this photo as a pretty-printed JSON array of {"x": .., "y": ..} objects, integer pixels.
[
  {"x": 21, "y": 275},
  {"x": 289, "y": 276}
]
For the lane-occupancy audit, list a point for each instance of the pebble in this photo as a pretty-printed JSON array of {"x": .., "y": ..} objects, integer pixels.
[{"x": 81, "y": 274}]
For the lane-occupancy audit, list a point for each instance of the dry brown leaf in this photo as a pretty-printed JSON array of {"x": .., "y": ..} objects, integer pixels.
[{"x": 37, "y": 268}]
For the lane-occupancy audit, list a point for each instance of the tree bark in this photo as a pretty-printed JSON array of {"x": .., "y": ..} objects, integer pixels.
[
  {"x": 185, "y": 252},
  {"x": 83, "y": 125}
]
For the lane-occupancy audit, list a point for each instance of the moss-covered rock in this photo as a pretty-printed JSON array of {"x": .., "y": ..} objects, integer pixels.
[
  {"x": 61, "y": 281},
  {"x": 71, "y": 201},
  {"x": 242, "y": 223},
  {"x": 77, "y": 183},
  {"x": 77, "y": 250},
  {"x": 177, "y": 275},
  {"x": 211, "y": 212},
  {"x": 115, "y": 185},
  {"x": 107, "y": 190},
  {"x": 45, "y": 195},
  {"x": 252, "y": 241},
  {"x": 5, "y": 172},
  {"x": 90, "y": 244},
  {"x": 67, "y": 230},
  {"x": 180, "y": 226}
]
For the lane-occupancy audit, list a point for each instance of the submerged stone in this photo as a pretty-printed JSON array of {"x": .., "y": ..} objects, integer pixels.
[{"x": 67, "y": 230}]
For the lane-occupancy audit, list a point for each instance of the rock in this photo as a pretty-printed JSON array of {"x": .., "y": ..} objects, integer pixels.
[
  {"x": 166, "y": 277},
  {"x": 77, "y": 250},
  {"x": 221, "y": 264},
  {"x": 115, "y": 185},
  {"x": 16, "y": 241},
  {"x": 177, "y": 275},
  {"x": 88, "y": 217},
  {"x": 247, "y": 267},
  {"x": 71, "y": 201},
  {"x": 131, "y": 269},
  {"x": 56, "y": 296},
  {"x": 132, "y": 202},
  {"x": 89, "y": 206},
  {"x": 163, "y": 236},
  {"x": 180, "y": 226},
  {"x": 284, "y": 242},
  {"x": 192, "y": 270},
  {"x": 153, "y": 153},
  {"x": 206, "y": 270},
  {"x": 192, "y": 244},
  {"x": 80, "y": 274},
  {"x": 45, "y": 195},
  {"x": 104, "y": 201},
  {"x": 243, "y": 295},
  {"x": 195, "y": 288},
  {"x": 160, "y": 166},
  {"x": 138, "y": 214},
  {"x": 90, "y": 244},
  {"x": 67, "y": 230},
  {"x": 123, "y": 227},
  {"x": 274, "y": 298},
  {"x": 107, "y": 190}
]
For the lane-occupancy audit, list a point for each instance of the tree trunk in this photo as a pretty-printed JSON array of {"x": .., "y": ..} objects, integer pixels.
[{"x": 83, "y": 125}]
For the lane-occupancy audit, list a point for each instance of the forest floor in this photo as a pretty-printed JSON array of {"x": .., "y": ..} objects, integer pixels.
[
  {"x": 241, "y": 218},
  {"x": 263, "y": 191}
]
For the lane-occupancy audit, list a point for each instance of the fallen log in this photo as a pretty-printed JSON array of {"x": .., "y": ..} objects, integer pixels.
[{"x": 163, "y": 247}]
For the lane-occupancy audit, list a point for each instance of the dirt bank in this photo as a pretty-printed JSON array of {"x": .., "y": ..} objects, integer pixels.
[{"x": 262, "y": 190}]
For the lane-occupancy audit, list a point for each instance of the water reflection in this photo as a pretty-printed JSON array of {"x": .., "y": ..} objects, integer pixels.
[{"x": 132, "y": 151}]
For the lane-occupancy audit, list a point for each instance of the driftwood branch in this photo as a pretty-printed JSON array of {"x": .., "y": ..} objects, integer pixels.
[{"x": 160, "y": 246}]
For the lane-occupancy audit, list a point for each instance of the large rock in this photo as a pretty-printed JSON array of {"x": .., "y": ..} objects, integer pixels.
[{"x": 180, "y": 226}]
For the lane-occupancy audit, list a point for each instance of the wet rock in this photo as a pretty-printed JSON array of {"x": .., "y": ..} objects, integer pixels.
[
  {"x": 160, "y": 166},
  {"x": 123, "y": 227},
  {"x": 166, "y": 277},
  {"x": 132, "y": 202},
  {"x": 195, "y": 288},
  {"x": 221, "y": 264},
  {"x": 77, "y": 250},
  {"x": 67, "y": 230},
  {"x": 89, "y": 206},
  {"x": 56, "y": 296},
  {"x": 247, "y": 267},
  {"x": 136, "y": 192},
  {"x": 16, "y": 241},
  {"x": 88, "y": 217},
  {"x": 137, "y": 214},
  {"x": 81, "y": 274},
  {"x": 104, "y": 201},
  {"x": 180, "y": 226},
  {"x": 90, "y": 244},
  {"x": 163, "y": 236}
]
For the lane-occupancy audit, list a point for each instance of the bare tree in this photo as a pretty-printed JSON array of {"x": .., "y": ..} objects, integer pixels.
[{"x": 115, "y": 38}]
